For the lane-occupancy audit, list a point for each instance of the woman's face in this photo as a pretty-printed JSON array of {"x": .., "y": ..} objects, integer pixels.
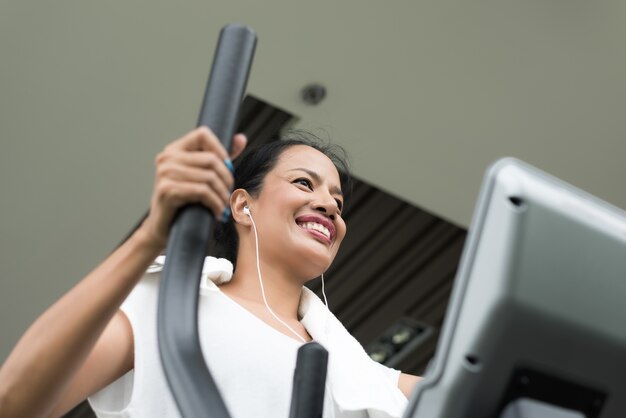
[{"x": 298, "y": 211}]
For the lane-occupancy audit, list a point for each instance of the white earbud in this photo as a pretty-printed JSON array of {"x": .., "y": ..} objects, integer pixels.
[{"x": 246, "y": 210}]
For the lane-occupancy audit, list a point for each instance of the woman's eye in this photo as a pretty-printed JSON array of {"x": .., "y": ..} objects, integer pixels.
[
  {"x": 305, "y": 182},
  {"x": 339, "y": 205}
]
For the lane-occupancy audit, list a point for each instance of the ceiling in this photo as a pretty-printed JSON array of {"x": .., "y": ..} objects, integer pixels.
[{"x": 424, "y": 95}]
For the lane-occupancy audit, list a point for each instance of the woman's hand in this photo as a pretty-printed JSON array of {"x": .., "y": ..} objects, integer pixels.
[{"x": 191, "y": 169}]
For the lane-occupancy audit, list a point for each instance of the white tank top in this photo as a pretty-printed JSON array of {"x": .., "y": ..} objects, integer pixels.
[{"x": 251, "y": 362}]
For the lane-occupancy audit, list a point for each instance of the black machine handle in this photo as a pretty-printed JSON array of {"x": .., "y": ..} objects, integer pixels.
[
  {"x": 188, "y": 377},
  {"x": 309, "y": 382}
]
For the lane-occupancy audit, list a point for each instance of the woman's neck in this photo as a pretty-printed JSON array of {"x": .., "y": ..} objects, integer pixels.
[{"x": 282, "y": 291}]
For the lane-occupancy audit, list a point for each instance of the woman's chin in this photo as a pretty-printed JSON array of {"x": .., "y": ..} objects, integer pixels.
[
  {"x": 312, "y": 264},
  {"x": 312, "y": 269}
]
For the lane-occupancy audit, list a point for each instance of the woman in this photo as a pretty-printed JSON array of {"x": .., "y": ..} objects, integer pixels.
[{"x": 286, "y": 215}]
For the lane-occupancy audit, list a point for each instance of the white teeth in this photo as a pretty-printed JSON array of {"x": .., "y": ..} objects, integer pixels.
[{"x": 316, "y": 227}]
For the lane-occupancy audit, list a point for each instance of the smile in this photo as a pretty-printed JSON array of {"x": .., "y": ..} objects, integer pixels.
[
  {"x": 319, "y": 226},
  {"x": 315, "y": 227}
]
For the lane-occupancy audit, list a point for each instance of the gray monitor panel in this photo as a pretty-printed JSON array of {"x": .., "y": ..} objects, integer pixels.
[{"x": 537, "y": 314}]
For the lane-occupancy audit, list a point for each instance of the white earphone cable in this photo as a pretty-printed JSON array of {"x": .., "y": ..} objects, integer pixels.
[
  {"x": 327, "y": 324},
  {"x": 324, "y": 293},
  {"x": 258, "y": 268}
]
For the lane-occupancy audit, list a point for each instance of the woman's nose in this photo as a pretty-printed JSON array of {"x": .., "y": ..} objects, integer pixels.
[{"x": 327, "y": 205}]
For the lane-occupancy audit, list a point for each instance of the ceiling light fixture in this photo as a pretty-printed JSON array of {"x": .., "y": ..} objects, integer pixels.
[{"x": 313, "y": 94}]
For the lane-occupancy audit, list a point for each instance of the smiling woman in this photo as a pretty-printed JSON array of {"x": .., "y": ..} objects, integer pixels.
[
  {"x": 254, "y": 166},
  {"x": 99, "y": 341}
]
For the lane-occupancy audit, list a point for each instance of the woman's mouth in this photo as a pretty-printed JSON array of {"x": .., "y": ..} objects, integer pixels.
[
  {"x": 319, "y": 227},
  {"x": 312, "y": 226}
]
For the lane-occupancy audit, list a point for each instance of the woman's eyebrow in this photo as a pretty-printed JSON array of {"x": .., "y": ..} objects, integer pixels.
[{"x": 318, "y": 179}]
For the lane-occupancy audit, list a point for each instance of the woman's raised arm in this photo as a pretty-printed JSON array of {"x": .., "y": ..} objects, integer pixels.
[
  {"x": 38, "y": 373},
  {"x": 83, "y": 342}
]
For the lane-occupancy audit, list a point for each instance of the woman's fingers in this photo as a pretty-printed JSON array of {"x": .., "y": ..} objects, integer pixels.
[
  {"x": 200, "y": 160},
  {"x": 239, "y": 143},
  {"x": 192, "y": 169},
  {"x": 203, "y": 139},
  {"x": 200, "y": 139},
  {"x": 180, "y": 193},
  {"x": 218, "y": 179}
]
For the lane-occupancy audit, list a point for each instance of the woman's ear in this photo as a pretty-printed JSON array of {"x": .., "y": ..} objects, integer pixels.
[{"x": 239, "y": 199}]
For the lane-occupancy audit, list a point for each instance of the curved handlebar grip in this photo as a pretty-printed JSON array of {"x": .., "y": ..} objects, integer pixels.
[
  {"x": 188, "y": 377},
  {"x": 309, "y": 382}
]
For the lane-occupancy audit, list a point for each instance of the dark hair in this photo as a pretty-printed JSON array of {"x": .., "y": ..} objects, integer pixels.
[{"x": 253, "y": 166}]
